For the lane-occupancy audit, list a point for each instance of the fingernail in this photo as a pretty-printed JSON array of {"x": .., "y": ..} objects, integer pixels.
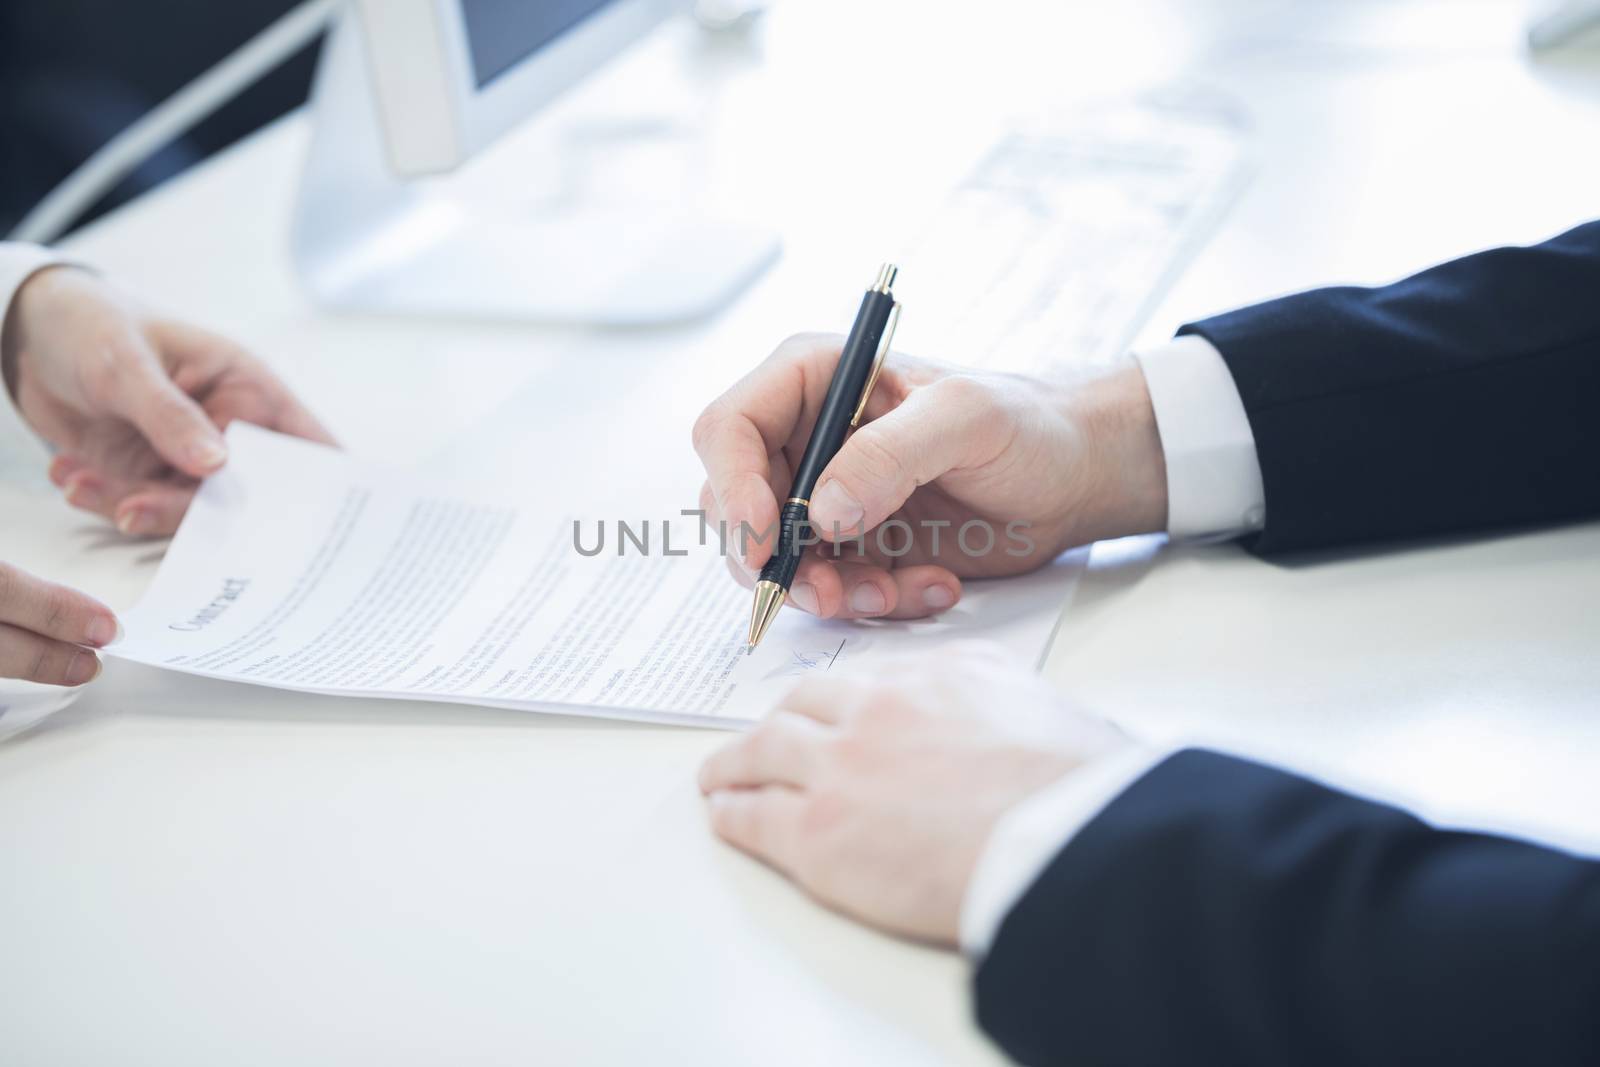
[
  {"x": 130, "y": 521},
  {"x": 832, "y": 506},
  {"x": 103, "y": 631},
  {"x": 208, "y": 455},
  {"x": 83, "y": 495},
  {"x": 804, "y": 595},
  {"x": 868, "y": 599},
  {"x": 83, "y": 669},
  {"x": 938, "y": 597}
]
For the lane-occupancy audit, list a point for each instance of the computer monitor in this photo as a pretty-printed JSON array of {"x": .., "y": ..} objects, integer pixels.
[
  {"x": 413, "y": 88},
  {"x": 452, "y": 75}
]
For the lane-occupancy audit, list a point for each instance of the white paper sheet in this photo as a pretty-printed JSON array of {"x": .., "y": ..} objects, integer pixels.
[
  {"x": 299, "y": 567},
  {"x": 1055, "y": 249},
  {"x": 24, "y": 705}
]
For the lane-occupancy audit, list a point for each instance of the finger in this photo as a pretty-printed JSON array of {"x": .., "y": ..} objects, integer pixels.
[
  {"x": 817, "y": 588},
  {"x": 155, "y": 511},
  {"x": 62, "y": 468},
  {"x": 779, "y": 395},
  {"x": 866, "y": 591},
  {"x": 739, "y": 472},
  {"x": 717, "y": 526},
  {"x": 749, "y": 542},
  {"x": 782, "y": 750},
  {"x": 737, "y": 435},
  {"x": 54, "y": 611},
  {"x": 753, "y": 531},
  {"x": 213, "y": 351},
  {"x": 923, "y": 590},
  {"x": 85, "y": 490},
  {"x": 740, "y": 575},
  {"x": 136, "y": 505},
  {"x": 841, "y": 589},
  {"x": 32, "y": 658},
  {"x": 170, "y": 420},
  {"x": 936, "y": 429},
  {"x": 297, "y": 421},
  {"x": 763, "y": 822}
]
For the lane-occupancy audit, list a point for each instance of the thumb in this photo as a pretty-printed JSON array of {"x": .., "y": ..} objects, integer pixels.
[
  {"x": 932, "y": 432},
  {"x": 174, "y": 425}
]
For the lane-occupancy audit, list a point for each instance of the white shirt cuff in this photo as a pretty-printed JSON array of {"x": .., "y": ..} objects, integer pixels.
[
  {"x": 1214, "y": 491},
  {"x": 1029, "y": 836},
  {"x": 1213, "y": 474},
  {"x": 18, "y": 263}
]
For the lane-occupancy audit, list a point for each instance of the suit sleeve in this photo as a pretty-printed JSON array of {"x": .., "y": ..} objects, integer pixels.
[
  {"x": 1220, "y": 912},
  {"x": 1463, "y": 398}
]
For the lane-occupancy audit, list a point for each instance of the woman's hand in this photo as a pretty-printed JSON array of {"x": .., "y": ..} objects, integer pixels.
[
  {"x": 1036, "y": 466},
  {"x": 48, "y": 632},
  {"x": 133, "y": 404}
]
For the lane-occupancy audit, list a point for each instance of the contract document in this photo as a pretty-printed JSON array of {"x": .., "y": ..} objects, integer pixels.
[{"x": 300, "y": 567}]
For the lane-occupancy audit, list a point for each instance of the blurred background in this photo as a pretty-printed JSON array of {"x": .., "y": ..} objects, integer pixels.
[{"x": 75, "y": 72}]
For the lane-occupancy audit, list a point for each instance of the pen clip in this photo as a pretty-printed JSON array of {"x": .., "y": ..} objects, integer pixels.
[{"x": 877, "y": 362}]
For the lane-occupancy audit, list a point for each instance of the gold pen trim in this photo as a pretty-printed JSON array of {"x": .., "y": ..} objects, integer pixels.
[
  {"x": 802, "y": 501},
  {"x": 769, "y": 598},
  {"x": 877, "y": 363}
]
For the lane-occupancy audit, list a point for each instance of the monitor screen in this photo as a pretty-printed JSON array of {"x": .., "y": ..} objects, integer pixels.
[{"x": 501, "y": 33}]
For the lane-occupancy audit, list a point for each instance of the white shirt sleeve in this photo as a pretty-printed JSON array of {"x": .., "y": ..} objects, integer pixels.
[
  {"x": 1027, "y": 838},
  {"x": 1214, "y": 492},
  {"x": 18, "y": 263},
  {"x": 1213, "y": 474}
]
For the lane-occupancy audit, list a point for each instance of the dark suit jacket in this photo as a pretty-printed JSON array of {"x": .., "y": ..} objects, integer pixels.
[{"x": 1223, "y": 913}]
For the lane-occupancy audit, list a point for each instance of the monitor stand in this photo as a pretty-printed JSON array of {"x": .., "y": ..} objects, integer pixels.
[{"x": 365, "y": 239}]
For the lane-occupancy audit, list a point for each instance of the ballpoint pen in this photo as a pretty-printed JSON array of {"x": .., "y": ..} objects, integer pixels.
[{"x": 860, "y": 363}]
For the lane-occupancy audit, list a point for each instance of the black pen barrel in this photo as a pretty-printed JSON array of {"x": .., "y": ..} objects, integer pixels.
[
  {"x": 789, "y": 547},
  {"x": 844, "y": 392}
]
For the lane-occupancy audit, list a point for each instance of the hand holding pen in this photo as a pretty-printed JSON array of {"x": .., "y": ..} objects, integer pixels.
[
  {"x": 860, "y": 364},
  {"x": 937, "y": 447}
]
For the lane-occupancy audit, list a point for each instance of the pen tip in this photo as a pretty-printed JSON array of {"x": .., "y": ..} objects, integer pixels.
[{"x": 769, "y": 598}]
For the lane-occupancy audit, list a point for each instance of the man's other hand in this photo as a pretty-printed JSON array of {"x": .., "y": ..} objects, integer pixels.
[{"x": 877, "y": 796}]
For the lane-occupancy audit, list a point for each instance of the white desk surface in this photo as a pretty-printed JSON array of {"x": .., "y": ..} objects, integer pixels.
[{"x": 197, "y": 873}]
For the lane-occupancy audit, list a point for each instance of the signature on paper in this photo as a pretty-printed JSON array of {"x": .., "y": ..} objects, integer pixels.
[{"x": 809, "y": 661}]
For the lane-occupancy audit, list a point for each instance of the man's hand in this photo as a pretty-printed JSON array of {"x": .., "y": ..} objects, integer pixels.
[
  {"x": 134, "y": 405},
  {"x": 47, "y": 631},
  {"x": 878, "y": 797},
  {"x": 1041, "y": 466}
]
